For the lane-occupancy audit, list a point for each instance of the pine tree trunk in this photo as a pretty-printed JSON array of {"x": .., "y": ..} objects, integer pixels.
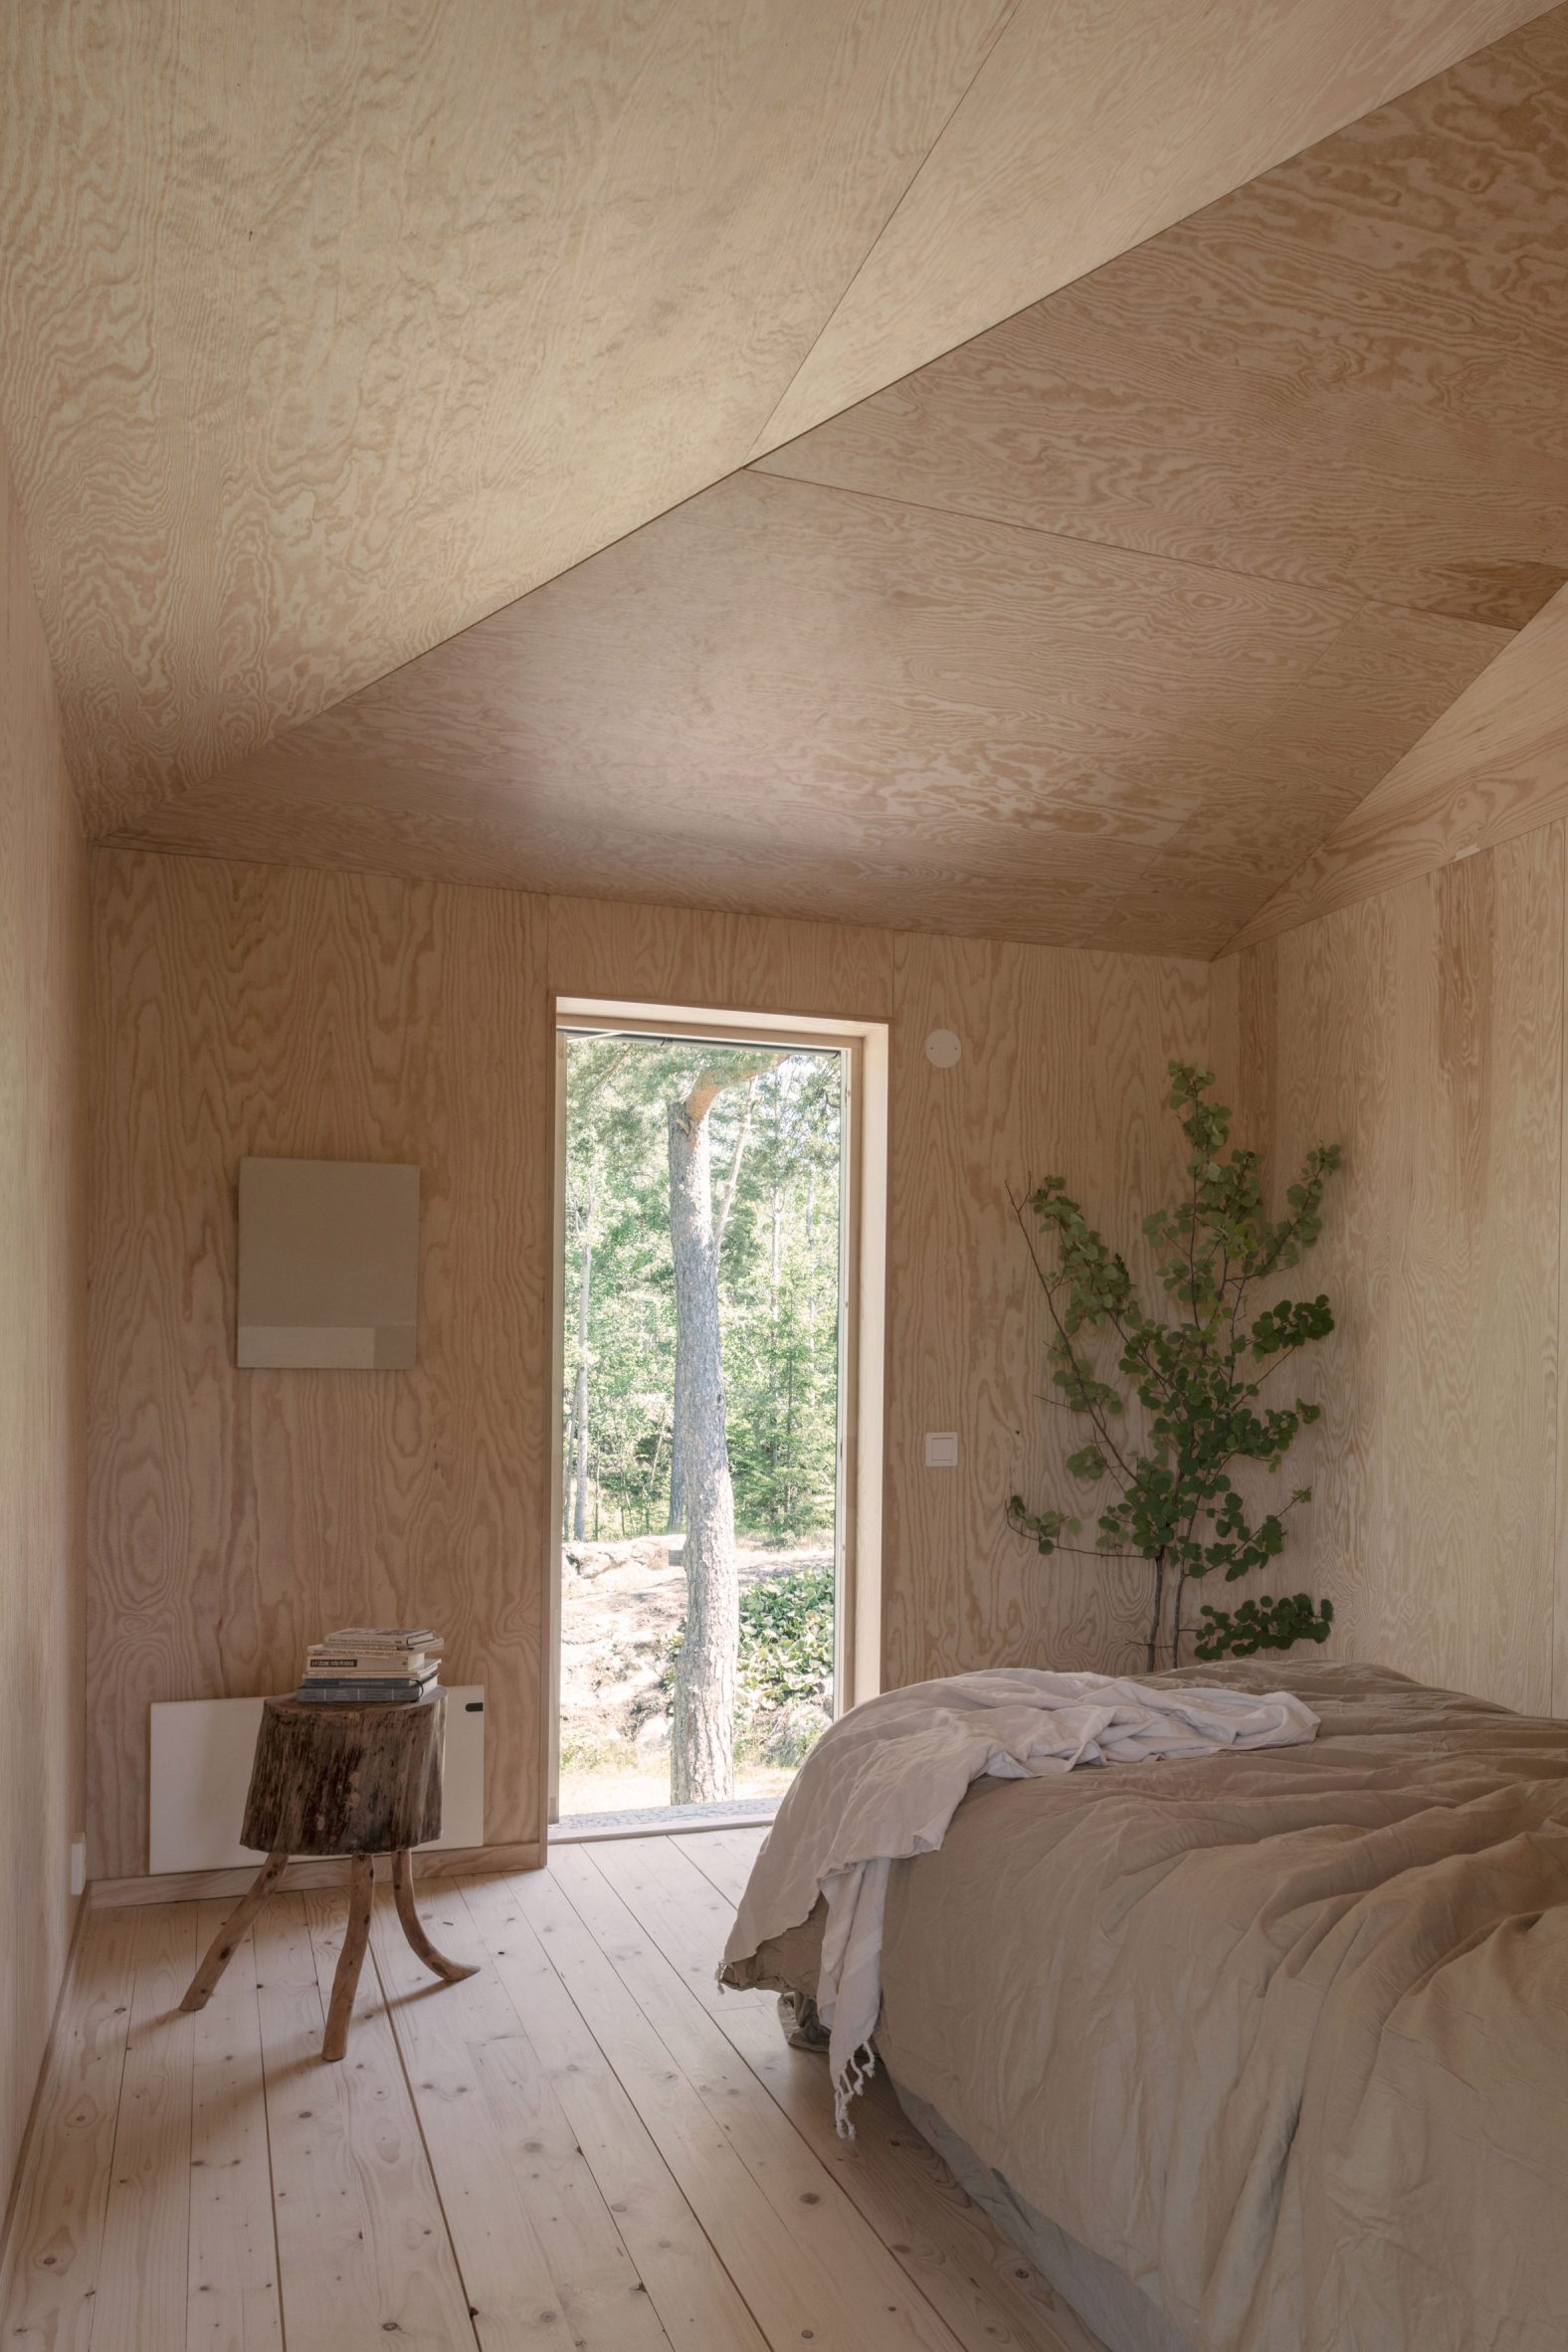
[
  {"x": 702, "y": 1754},
  {"x": 676, "y": 1471},
  {"x": 677, "y": 1492}
]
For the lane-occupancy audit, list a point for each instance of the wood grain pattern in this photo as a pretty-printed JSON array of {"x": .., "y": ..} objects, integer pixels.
[
  {"x": 141, "y": 2293},
  {"x": 655, "y": 1917},
  {"x": 1087, "y": 633},
  {"x": 451, "y": 1971},
  {"x": 350, "y": 1959},
  {"x": 43, "y": 1225},
  {"x": 555, "y": 2059},
  {"x": 530, "y": 2227},
  {"x": 788, "y": 2237},
  {"x": 832, "y": 703},
  {"x": 1424, "y": 1030},
  {"x": 361, "y": 2239},
  {"x": 988, "y": 2293},
  {"x": 406, "y": 300},
  {"x": 231, "y": 2290},
  {"x": 235, "y": 1514},
  {"x": 581, "y": 2144},
  {"x": 666, "y": 955},
  {"x": 50, "y": 2268},
  {"x": 406, "y": 305},
  {"x": 232, "y": 1930},
  {"x": 1339, "y": 374},
  {"x": 1493, "y": 767},
  {"x": 1064, "y": 1070},
  {"x": 332, "y": 1780},
  {"x": 1043, "y": 151},
  {"x": 258, "y": 1009}
]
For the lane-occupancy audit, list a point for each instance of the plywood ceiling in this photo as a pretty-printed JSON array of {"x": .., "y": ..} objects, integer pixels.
[
  {"x": 1494, "y": 767},
  {"x": 329, "y": 327},
  {"x": 1091, "y": 630}
]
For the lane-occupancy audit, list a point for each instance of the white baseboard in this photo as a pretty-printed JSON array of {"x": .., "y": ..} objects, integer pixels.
[{"x": 192, "y": 1887}]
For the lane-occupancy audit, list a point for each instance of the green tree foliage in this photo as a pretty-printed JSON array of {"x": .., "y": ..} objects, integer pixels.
[
  {"x": 786, "y": 1639},
  {"x": 786, "y": 1653},
  {"x": 779, "y": 1282},
  {"x": 1198, "y": 1374},
  {"x": 781, "y": 1273}
]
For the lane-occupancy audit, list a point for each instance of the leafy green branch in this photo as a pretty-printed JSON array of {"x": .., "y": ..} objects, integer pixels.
[{"x": 1197, "y": 1372}]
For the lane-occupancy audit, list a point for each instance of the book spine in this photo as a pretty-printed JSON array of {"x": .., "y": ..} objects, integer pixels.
[
  {"x": 383, "y": 1645},
  {"x": 348, "y": 1663},
  {"x": 341, "y": 1692}
]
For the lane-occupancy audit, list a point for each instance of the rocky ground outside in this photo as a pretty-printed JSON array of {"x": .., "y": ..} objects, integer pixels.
[{"x": 622, "y": 1607}]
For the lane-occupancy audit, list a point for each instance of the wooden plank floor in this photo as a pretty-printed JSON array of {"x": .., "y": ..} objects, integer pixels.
[{"x": 582, "y": 2148}]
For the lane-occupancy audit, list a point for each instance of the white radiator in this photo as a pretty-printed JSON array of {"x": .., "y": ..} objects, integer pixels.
[{"x": 201, "y": 1770}]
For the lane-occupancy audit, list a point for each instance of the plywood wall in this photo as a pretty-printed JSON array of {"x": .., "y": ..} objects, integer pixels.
[
  {"x": 678, "y": 955},
  {"x": 1423, "y": 1029},
  {"x": 268, "y": 1009},
  {"x": 1064, "y": 1068},
  {"x": 43, "y": 939},
  {"x": 235, "y": 1515},
  {"x": 1062, "y": 1072},
  {"x": 264, "y": 1008}
]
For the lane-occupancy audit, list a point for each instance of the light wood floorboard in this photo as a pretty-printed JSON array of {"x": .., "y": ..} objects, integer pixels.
[
  {"x": 49, "y": 2282},
  {"x": 231, "y": 2293},
  {"x": 583, "y": 2147}
]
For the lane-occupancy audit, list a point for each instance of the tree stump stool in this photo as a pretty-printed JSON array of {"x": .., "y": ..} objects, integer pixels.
[{"x": 360, "y": 1781}]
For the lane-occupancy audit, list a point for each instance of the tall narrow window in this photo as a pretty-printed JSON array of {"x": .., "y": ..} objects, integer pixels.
[{"x": 703, "y": 1417}]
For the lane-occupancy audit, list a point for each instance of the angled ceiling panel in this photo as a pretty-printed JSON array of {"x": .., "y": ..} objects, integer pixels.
[
  {"x": 1090, "y": 129},
  {"x": 786, "y": 697},
  {"x": 1090, "y": 632},
  {"x": 327, "y": 329},
  {"x": 1493, "y": 766}
]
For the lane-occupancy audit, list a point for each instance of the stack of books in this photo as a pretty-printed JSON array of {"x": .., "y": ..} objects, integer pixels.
[{"x": 371, "y": 1663}]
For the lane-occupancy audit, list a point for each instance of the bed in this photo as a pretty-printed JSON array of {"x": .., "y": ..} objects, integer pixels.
[{"x": 1262, "y": 2053}]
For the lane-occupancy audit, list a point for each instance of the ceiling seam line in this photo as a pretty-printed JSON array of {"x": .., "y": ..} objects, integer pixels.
[
  {"x": 1238, "y": 938},
  {"x": 1361, "y": 597},
  {"x": 1357, "y": 598},
  {"x": 1003, "y": 28},
  {"x": 1249, "y": 746},
  {"x": 1093, "y": 268}
]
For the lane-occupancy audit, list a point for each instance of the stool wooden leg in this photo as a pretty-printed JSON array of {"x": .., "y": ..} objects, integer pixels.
[
  {"x": 361, "y": 1877},
  {"x": 403, "y": 1890},
  {"x": 227, "y": 1940}
]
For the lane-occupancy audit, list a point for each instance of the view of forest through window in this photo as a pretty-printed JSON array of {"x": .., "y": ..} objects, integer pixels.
[{"x": 700, "y": 1418}]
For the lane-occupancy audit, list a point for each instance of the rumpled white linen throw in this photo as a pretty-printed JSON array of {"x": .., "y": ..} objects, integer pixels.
[{"x": 884, "y": 1781}]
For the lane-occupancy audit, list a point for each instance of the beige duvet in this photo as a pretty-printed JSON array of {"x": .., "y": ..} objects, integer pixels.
[{"x": 1284, "y": 2035}]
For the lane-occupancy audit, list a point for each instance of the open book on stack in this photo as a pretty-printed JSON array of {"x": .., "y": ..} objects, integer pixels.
[{"x": 371, "y": 1663}]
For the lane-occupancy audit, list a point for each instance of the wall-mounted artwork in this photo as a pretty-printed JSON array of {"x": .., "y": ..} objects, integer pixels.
[{"x": 328, "y": 1264}]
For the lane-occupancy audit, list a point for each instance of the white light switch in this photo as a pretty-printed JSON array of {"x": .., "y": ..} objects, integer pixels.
[{"x": 941, "y": 1448}]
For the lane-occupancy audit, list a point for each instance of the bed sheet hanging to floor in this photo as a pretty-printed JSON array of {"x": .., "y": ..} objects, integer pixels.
[
  {"x": 883, "y": 1783},
  {"x": 1281, "y": 2036}
]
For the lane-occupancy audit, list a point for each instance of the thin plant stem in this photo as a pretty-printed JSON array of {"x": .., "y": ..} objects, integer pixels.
[{"x": 1189, "y": 1370}]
